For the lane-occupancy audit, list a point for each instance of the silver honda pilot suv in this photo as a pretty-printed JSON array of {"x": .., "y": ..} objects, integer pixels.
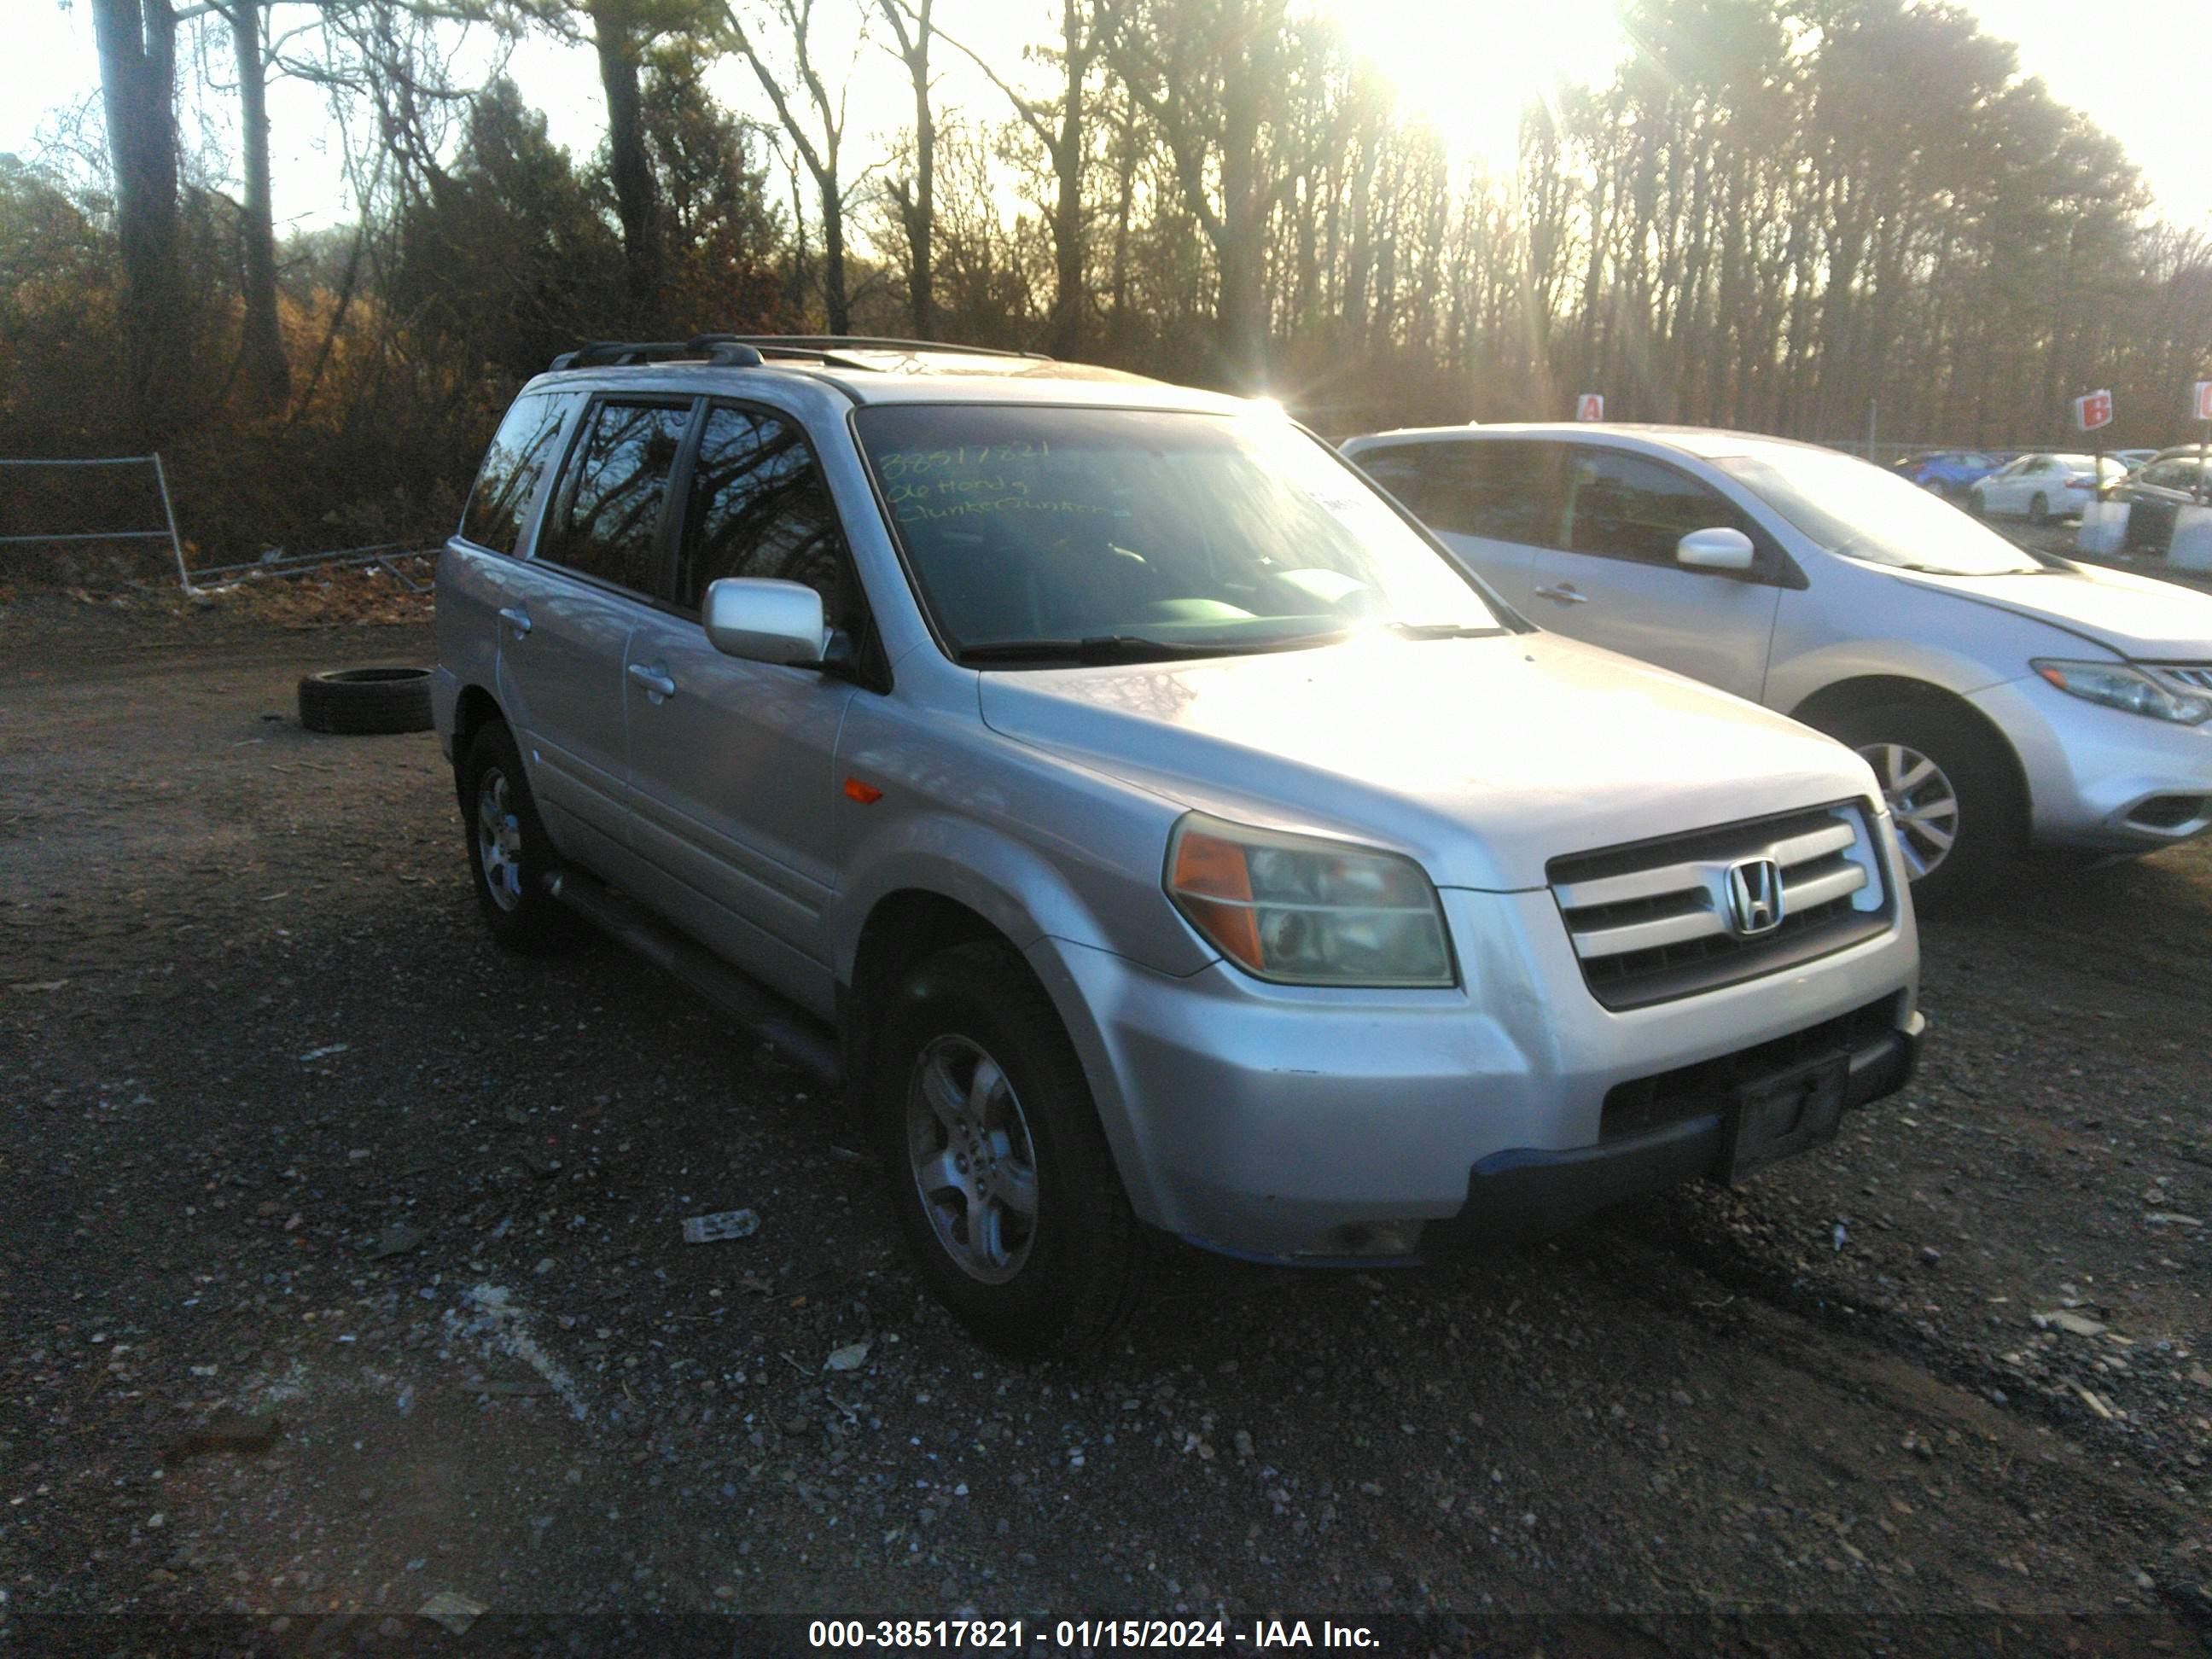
[{"x": 1143, "y": 820}]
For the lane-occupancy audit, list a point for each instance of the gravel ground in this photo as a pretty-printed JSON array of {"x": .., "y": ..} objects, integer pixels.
[{"x": 342, "y": 1270}]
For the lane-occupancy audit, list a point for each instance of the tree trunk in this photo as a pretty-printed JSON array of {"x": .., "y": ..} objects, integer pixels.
[
  {"x": 628, "y": 167},
  {"x": 833, "y": 257},
  {"x": 137, "y": 45},
  {"x": 268, "y": 376},
  {"x": 921, "y": 228},
  {"x": 1067, "y": 202}
]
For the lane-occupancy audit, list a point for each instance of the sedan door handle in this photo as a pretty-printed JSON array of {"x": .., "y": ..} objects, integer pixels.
[
  {"x": 656, "y": 682},
  {"x": 517, "y": 618},
  {"x": 1564, "y": 594}
]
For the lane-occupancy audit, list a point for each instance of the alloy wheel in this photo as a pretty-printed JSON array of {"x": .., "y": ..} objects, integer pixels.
[
  {"x": 974, "y": 1164},
  {"x": 499, "y": 839},
  {"x": 1923, "y": 803}
]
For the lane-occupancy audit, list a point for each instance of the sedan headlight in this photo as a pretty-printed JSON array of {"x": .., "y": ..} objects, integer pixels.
[
  {"x": 2119, "y": 686},
  {"x": 1308, "y": 911}
]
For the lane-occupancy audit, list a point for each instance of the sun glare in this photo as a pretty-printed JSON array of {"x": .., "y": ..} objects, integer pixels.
[{"x": 1471, "y": 66}]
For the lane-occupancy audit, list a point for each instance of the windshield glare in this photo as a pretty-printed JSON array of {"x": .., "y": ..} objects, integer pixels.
[
  {"x": 1862, "y": 512},
  {"x": 1194, "y": 531}
]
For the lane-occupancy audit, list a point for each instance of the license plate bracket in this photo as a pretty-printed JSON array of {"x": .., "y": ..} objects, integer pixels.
[{"x": 1789, "y": 1112}]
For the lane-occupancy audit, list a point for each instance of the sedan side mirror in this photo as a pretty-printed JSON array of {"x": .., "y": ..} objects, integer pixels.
[
  {"x": 1718, "y": 549},
  {"x": 763, "y": 620}
]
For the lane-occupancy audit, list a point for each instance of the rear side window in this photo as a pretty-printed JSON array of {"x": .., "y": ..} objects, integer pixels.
[
  {"x": 1501, "y": 490},
  {"x": 608, "y": 517},
  {"x": 759, "y": 508},
  {"x": 1627, "y": 506},
  {"x": 521, "y": 452}
]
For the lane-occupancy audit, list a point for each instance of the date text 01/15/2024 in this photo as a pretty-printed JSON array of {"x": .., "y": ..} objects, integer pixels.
[{"x": 1084, "y": 1635}]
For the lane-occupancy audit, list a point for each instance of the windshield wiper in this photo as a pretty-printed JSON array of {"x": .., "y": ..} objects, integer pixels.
[
  {"x": 1406, "y": 630},
  {"x": 1135, "y": 647},
  {"x": 1098, "y": 648}
]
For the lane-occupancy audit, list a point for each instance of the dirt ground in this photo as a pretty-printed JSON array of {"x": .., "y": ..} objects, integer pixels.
[{"x": 341, "y": 1270}]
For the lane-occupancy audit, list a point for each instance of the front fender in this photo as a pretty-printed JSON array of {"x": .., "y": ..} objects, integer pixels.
[{"x": 1011, "y": 885}]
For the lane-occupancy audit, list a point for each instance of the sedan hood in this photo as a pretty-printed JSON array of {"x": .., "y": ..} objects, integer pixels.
[
  {"x": 1482, "y": 757},
  {"x": 2133, "y": 615}
]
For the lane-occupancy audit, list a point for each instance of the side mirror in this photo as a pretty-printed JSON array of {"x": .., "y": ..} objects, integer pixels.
[
  {"x": 763, "y": 620},
  {"x": 1718, "y": 549}
]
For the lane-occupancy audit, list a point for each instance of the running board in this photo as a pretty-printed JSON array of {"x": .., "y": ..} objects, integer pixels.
[{"x": 803, "y": 1040}]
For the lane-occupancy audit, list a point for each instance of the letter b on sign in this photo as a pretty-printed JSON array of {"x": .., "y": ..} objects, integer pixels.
[
  {"x": 2092, "y": 412},
  {"x": 1590, "y": 406}
]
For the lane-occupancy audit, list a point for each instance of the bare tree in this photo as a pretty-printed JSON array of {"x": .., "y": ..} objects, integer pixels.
[
  {"x": 817, "y": 130},
  {"x": 1057, "y": 126},
  {"x": 915, "y": 199},
  {"x": 1211, "y": 76},
  {"x": 137, "y": 43}
]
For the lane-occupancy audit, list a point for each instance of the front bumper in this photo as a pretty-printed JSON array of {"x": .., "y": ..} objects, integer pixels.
[
  {"x": 1522, "y": 1194},
  {"x": 1284, "y": 1122},
  {"x": 2098, "y": 778}
]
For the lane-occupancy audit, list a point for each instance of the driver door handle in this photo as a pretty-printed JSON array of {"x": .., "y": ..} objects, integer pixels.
[
  {"x": 517, "y": 618},
  {"x": 1564, "y": 594},
  {"x": 656, "y": 682}
]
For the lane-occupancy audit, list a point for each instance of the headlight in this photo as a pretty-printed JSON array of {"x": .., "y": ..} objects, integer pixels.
[
  {"x": 1308, "y": 911},
  {"x": 2118, "y": 686}
]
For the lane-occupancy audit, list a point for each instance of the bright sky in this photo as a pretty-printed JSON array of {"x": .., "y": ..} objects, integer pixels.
[{"x": 1468, "y": 65}]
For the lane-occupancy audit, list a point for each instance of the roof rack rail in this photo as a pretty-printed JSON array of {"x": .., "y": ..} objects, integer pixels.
[
  {"x": 831, "y": 342},
  {"x": 750, "y": 350},
  {"x": 726, "y": 349}
]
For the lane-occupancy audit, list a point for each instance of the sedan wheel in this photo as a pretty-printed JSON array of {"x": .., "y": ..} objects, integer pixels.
[
  {"x": 1923, "y": 803},
  {"x": 499, "y": 840}
]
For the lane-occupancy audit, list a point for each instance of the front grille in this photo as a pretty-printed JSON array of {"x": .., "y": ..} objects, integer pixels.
[
  {"x": 1645, "y": 1104},
  {"x": 1651, "y": 920},
  {"x": 2196, "y": 675}
]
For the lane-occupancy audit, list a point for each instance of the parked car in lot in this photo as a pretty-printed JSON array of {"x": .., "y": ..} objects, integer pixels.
[
  {"x": 1947, "y": 472},
  {"x": 2156, "y": 492},
  {"x": 2003, "y": 699},
  {"x": 2040, "y": 488},
  {"x": 1145, "y": 822}
]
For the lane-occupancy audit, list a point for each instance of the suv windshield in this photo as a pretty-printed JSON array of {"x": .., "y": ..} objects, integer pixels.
[
  {"x": 1089, "y": 535},
  {"x": 1862, "y": 512}
]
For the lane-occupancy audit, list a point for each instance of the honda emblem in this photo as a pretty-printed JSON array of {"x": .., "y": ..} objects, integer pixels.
[{"x": 1754, "y": 896}]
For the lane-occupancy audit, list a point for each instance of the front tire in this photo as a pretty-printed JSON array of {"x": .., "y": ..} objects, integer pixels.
[
  {"x": 2038, "y": 510},
  {"x": 1000, "y": 1174},
  {"x": 510, "y": 854},
  {"x": 1961, "y": 824}
]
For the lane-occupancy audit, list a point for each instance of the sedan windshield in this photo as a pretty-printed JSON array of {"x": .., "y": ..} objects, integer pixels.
[
  {"x": 1862, "y": 512},
  {"x": 1082, "y": 535}
]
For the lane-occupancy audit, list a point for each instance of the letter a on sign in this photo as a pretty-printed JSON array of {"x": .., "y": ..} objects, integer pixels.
[
  {"x": 1590, "y": 406},
  {"x": 2092, "y": 412}
]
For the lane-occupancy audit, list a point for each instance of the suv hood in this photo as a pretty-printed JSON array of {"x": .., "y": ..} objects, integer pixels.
[
  {"x": 1482, "y": 757},
  {"x": 2133, "y": 615}
]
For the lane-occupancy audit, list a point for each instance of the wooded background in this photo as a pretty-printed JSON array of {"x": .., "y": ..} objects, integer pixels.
[{"x": 1776, "y": 213}]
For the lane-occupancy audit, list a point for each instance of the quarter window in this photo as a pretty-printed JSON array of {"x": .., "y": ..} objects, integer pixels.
[
  {"x": 1625, "y": 507},
  {"x": 521, "y": 452},
  {"x": 760, "y": 506},
  {"x": 609, "y": 511}
]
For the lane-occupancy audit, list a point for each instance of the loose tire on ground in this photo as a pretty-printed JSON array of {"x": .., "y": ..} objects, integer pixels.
[
  {"x": 509, "y": 853},
  {"x": 359, "y": 701},
  {"x": 1988, "y": 824},
  {"x": 1070, "y": 1271}
]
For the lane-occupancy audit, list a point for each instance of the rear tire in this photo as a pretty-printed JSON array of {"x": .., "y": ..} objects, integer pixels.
[
  {"x": 510, "y": 854},
  {"x": 1941, "y": 777},
  {"x": 1000, "y": 1174},
  {"x": 2038, "y": 510}
]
